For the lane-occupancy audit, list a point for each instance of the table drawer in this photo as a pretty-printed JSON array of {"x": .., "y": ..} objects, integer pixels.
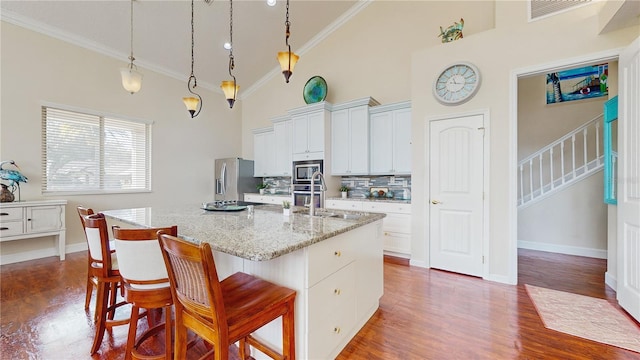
[
  {"x": 10, "y": 214},
  {"x": 10, "y": 228},
  {"x": 335, "y": 292}
]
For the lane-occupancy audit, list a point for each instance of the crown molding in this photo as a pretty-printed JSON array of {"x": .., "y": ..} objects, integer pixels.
[{"x": 335, "y": 25}]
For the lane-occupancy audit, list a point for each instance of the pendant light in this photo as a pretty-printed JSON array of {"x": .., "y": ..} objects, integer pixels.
[
  {"x": 287, "y": 59},
  {"x": 230, "y": 88},
  {"x": 131, "y": 77},
  {"x": 193, "y": 103}
]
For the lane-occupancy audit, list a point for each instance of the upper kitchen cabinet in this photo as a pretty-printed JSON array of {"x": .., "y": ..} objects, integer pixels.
[
  {"x": 390, "y": 141},
  {"x": 282, "y": 138},
  {"x": 309, "y": 126},
  {"x": 263, "y": 152},
  {"x": 350, "y": 137}
]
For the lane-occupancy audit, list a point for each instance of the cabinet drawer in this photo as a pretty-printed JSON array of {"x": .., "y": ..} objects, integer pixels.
[
  {"x": 10, "y": 214},
  {"x": 10, "y": 228},
  {"x": 400, "y": 223},
  {"x": 314, "y": 155},
  {"x": 335, "y": 292},
  {"x": 344, "y": 205},
  {"x": 327, "y": 257},
  {"x": 397, "y": 242},
  {"x": 330, "y": 332},
  {"x": 386, "y": 207}
]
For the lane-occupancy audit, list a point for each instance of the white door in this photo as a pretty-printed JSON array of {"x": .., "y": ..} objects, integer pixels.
[
  {"x": 628, "y": 288},
  {"x": 456, "y": 194}
]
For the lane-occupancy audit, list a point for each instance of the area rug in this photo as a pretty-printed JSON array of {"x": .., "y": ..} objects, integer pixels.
[{"x": 585, "y": 317}]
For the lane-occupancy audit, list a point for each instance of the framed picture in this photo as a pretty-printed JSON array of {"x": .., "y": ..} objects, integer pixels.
[{"x": 577, "y": 84}]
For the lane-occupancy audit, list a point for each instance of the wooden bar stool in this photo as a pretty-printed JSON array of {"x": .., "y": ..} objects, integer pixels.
[
  {"x": 223, "y": 312},
  {"x": 146, "y": 284},
  {"x": 104, "y": 269},
  {"x": 92, "y": 282}
]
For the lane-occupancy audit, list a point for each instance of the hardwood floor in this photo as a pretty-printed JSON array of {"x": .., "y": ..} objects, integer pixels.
[{"x": 424, "y": 314}]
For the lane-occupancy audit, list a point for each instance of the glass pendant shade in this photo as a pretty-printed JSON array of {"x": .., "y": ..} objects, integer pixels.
[
  {"x": 192, "y": 104},
  {"x": 230, "y": 91},
  {"x": 285, "y": 65},
  {"x": 131, "y": 79}
]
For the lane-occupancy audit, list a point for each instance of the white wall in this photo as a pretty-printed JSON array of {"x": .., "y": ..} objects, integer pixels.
[
  {"x": 513, "y": 45},
  {"x": 37, "y": 68}
]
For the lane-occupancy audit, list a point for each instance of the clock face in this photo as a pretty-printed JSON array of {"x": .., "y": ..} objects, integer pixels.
[{"x": 456, "y": 84}]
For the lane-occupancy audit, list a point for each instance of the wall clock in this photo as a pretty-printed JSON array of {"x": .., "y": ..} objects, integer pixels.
[{"x": 457, "y": 83}]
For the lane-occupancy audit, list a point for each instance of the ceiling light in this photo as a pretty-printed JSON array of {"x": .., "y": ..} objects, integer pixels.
[
  {"x": 131, "y": 77},
  {"x": 271, "y": 2},
  {"x": 227, "y": 46},
  {"x": 230, "y": 88},
  {"x": 193, "y": 104},
  {"x": 287, "y": 59}
]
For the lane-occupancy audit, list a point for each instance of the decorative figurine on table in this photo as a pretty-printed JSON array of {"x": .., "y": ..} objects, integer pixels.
[
  {"x": 15, "y": 177},
  {"x": 453, "y": 32},
  {"x": 5, "y": 194}
]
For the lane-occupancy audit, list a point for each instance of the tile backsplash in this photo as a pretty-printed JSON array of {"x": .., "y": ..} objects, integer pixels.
[{"x": 360, "y": 187}]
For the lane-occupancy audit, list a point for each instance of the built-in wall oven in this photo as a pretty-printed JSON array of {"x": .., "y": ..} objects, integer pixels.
[{"x": 302, "y": 172}]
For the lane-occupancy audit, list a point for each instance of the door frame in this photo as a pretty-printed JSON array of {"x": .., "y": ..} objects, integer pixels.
[
  {"x": 486, "y": 119},
  {"x": 512, "y": 221}
]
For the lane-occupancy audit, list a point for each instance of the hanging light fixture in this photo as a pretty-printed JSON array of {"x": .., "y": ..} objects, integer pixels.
[
  {"x": 193, "y": 103},
  {"x": 287, "y": 59},
  {"x": 230, "y": 88},
  {"x": 131, "y": 77}
]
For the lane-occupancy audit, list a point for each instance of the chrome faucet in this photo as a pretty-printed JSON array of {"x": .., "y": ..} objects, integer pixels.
[{"x": 323, "y": 188}]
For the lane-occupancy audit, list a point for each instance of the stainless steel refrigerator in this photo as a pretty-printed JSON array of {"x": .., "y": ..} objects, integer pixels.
[{"x": 234, "y": 177}]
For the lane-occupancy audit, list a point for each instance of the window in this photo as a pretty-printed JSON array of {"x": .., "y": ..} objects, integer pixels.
[{"x": 90, "y": 153}]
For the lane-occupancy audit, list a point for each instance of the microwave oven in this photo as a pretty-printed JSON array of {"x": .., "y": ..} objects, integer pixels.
[{"x": 303, "y": 170}]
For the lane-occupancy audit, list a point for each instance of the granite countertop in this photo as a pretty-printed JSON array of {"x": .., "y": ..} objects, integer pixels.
[
  {"x": 265, "y": 235},
  {"x": 389, "y": 200}
]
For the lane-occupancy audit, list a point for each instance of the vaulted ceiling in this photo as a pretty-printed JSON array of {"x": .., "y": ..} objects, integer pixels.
[{"x": 162, "y": 32}]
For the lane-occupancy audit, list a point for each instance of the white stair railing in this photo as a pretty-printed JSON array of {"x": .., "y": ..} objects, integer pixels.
[{"x": 566, "y": 160}]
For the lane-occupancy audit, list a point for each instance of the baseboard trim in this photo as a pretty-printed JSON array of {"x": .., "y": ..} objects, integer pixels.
[
  {"x": 563, "y": 249},
  {"x": 610, "y": 281},
  {"x": 39, "y": 254},
  {"x": 422, "y": 264}
]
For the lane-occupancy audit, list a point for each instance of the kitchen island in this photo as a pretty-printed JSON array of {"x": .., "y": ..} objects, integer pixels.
[{"x": 334, "y": 262}]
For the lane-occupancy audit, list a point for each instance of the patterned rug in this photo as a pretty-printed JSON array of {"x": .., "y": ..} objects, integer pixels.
[{"x": 585, "y": 317}]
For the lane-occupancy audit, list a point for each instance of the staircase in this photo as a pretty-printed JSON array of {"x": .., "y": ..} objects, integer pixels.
[{"x": 573, "y": 157}]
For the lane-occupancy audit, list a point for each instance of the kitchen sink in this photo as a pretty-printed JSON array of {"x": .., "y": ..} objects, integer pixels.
[{"x": 325, "y": 214}]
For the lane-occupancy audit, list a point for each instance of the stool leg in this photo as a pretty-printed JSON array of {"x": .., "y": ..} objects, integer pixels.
[
  {"x": 133, "y": 327},
  {"x": 288, "y": 334},
  {"x": 167, "y": 333},
  {"x": 87, "y": 299},
  {"x": 102, "y": 297}
]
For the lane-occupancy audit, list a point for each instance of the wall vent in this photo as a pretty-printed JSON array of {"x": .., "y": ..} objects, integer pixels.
[{"x": 542, "y": 8}]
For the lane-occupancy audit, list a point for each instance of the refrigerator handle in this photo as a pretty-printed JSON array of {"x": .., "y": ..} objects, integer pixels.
[{"x": 223, "y": 179}]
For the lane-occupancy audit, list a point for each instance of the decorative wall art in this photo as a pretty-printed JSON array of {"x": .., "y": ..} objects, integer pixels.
[
  {"x": 453, "y": 32},
  {"x": 577, "y": 84}
]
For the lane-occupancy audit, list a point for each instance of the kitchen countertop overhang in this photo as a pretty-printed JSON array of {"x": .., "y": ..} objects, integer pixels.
[{"x": 264, "y": 235}]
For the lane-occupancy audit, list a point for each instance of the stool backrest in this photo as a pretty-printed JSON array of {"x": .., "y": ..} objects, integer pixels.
[
  {"x": 194, "y": 281},
  {"x": 139, "y": 256},
  {"x": 95, "y": 227}
]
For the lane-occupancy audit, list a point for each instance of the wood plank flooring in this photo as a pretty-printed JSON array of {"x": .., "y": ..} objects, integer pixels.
[{"x": 424, "y": 314}]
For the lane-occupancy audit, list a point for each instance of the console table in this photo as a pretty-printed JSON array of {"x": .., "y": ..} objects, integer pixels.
[{"x": 31, "y": 219}]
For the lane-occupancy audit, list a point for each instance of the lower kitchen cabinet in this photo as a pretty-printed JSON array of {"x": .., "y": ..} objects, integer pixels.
[{"x": 396, "y": 226}]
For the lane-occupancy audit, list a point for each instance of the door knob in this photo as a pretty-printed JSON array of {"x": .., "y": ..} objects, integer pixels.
[{"x": 435, "y": 202}]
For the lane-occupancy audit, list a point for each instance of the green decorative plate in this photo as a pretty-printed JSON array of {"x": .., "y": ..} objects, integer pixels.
[{"x": 315, "y": 90}]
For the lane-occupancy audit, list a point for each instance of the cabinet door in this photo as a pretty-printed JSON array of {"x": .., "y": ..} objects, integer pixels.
[
  {"x": 315, "y": 131},
  {"x": 340, "y": 139},
  {"x": 44, "y": 218},
  {"x": 282, "y": 139},
  {"x": 270, "y": 154},
  {"x": 402, "y": 141},
  {"x": 300, "y": 131},
  {"x": 381, "y": 143},
  {"x": 359, "y": 140},
  {"x": 259, "y": 155}
]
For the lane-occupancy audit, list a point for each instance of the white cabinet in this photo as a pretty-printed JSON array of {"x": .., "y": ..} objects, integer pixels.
[
  {"x": 30, "y": 219},
  {"x": 350, "y": 137},
  {"x": 282, "y": 138},
  {"x": 396, "y": 226},
  {"x": 390, "y": 139},
  {"x": 309, "y": 126},
  {"x": 263, "y": 152}
]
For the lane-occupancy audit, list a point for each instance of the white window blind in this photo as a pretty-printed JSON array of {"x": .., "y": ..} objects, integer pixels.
[{"x": 89, "y": 153}]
